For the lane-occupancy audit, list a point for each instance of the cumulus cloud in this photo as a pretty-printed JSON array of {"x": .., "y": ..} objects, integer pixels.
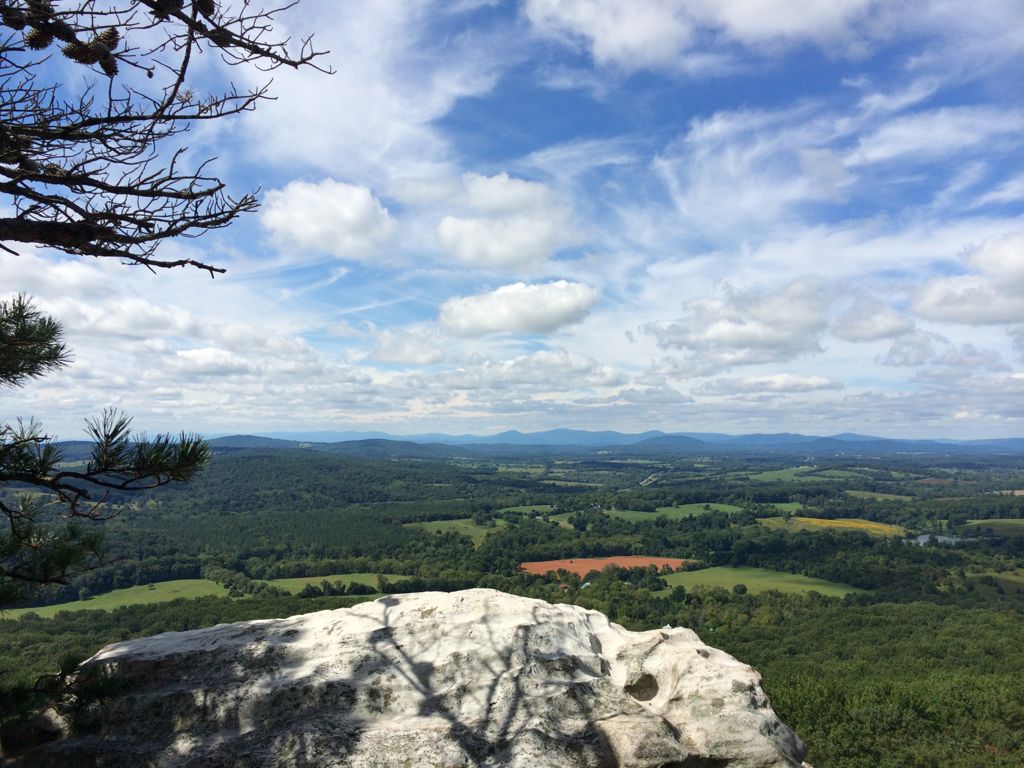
[
  {"x": 548, "y": 370},
  {"x": 993, "y": 294},
  {"x": 211, "y": 361},
  {"x": 518, "y": 308},
  {"x": 636, "y": 34},
  {"x": 969, "y": 299},
  {"x": 514, "y": 223},
  {"x": 928, "y": 348},
  {"x": 779, "y": 382},
  {"x": 913, "y": 349},
  {"x": 1001, "y": 259},
  {"x": 407, "y": 346},
  {"x": 745, "y": 328},
  {"x": 628, "y": 33},
  {"x": 330, "y": 217},
  {"x": 129, "y": 317},
  {"x": 870, "y": 320}
]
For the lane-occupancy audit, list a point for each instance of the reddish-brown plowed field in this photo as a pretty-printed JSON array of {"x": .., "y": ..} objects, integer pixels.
[{"x": 581, "y": 566}]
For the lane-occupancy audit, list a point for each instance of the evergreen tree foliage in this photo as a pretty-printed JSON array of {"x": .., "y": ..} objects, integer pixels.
[{"x": 51, "y": 508}]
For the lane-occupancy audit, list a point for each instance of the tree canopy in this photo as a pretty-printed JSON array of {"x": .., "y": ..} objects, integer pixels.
[
  {"x": 93, "y": 165},
  {"x": 50, "y": 505}
]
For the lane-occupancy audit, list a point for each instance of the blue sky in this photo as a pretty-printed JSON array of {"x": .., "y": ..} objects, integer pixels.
[{"x": 728, "y": 215}]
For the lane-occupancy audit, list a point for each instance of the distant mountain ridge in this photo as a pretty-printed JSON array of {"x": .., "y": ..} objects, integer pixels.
[{"x": 514, "y": 442}]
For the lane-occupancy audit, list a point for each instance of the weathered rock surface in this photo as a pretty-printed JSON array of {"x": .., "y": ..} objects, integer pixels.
[{"x": 473, "y": 678}]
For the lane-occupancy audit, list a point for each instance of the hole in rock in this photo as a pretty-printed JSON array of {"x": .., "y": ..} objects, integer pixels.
[{"x": 644, "y": 688}]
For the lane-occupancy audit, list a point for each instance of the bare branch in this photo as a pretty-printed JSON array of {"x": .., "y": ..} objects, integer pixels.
[{"x": 97, "y": 171}]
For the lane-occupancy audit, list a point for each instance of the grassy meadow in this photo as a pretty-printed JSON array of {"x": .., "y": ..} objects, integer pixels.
[
  {"x": 160, "y": 592},
  {"x": 999, "y": 526},
  {"x": 757, "y": 580},
  {"x": 881, "y": 496},
  {"x": 839, "y": 524},
  {"x": 464, "y": 526}
]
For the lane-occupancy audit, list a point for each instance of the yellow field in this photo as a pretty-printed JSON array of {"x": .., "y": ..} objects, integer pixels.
[{"x": 843, "y": 523}]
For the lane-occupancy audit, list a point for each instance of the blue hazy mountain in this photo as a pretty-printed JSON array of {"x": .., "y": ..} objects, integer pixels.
[{"x": 514, "y": 442}]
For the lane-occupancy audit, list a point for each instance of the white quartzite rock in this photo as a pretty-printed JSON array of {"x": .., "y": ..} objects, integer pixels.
[{"x": 473, "y": 678}]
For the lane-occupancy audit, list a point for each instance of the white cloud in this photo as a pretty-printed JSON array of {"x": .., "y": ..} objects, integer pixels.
[
  {"x": 637, "y": 34},
  {"x": 515, "y": 223},
  {"x": 548, "y": 370},
  {"x": 756, "y": 21},
  {"x": 628, "y": 33},
  {"x": 375, "y": 119},
  {"x": 211, "y": 361},
  {"x": 1002, "y": 260},
  {"x": 130, "y": 317},
  {"x": 745, "y": 328},
  {"x": 739, "y": 171},
  {"x": 994, "y": 296},
  {"x": 870, "y": 320},
  {"x": 519, "y": 308},
  {"x": 928, "y": 348},
  {"x": 656, "y": 396},
  {"x": 407, "y": 346},
  {"x": 1010, "y": 191},
  {"x": 969, "y": 356},
  {"x": 779, "y": 382},
  {"x": 933, "y": 133},
  {"x": 331, "y": 217},
  {"x": 913, "y": 349}
]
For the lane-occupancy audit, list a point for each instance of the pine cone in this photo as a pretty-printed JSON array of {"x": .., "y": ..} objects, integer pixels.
[
  {"x": 205, "y": 7},
  {"x": 39, "y": 11},
  {"x": 62, "y": 30},
  {"x": 92, "y": 53},
  {"x": 13, "y": 18},
  {"x": 38, "y": 39},
  {"x": 109, "y": 37},
  {"x": 164, "y": 8},
  {"x": 52, "y": 169}
]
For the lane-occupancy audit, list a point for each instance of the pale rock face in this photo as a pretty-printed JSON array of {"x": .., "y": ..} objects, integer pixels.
[{"x": 473, "y": 678}]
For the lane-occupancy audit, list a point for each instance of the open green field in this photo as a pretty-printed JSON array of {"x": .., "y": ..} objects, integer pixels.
[
  {"x": 1000, "y": 526},
  {"x": 689, "y": 510},
  {"x": 788, "y": 506},
  {"x": 295, "y": 585},
  {"x": 563, "y": 520},
  {"x": 464, "y": 526},
  {"x": 757, "y": 580},
  {"x": 160, "y": 592},
  {"x": 637, "y": 516},
  {"x": 838, "y": 474},
  {"x": 788, "y": 474},
  {"x": 1011, "y": 581},
  {"x": 528, "y": 508},
  {"x": 840, "y": 524},
  {"x": 874, "y": 495},
  {"x": 530, "y": 469},
  {"x": 803, "y": 473}
]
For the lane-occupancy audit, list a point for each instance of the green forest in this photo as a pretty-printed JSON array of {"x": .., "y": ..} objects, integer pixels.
[{"x": 878, "y": 650}]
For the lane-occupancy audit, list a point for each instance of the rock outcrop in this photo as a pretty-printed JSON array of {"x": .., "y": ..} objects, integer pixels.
[{"x": 473, "y": 678}]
